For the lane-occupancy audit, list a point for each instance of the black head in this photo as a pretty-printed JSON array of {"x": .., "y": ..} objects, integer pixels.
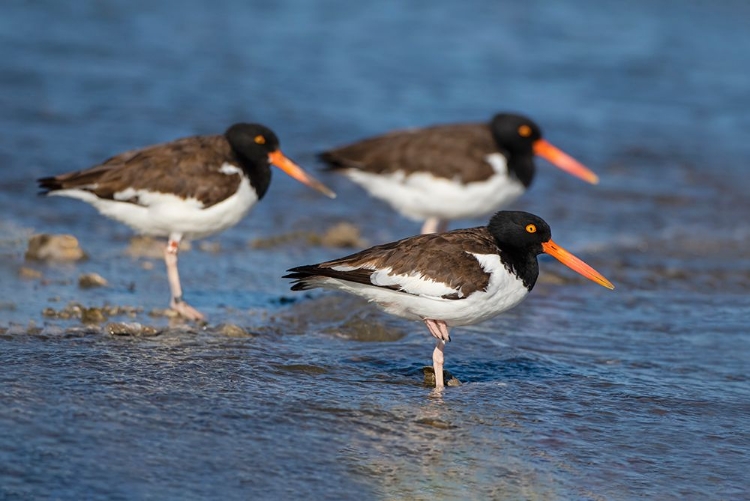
[
  {"x": 520, "y": 139},
  {"x": 519, "y": 230},
  {"x": 252, "y": 141},
  {"x": 515, "y": 134},
  {"x": 521, "y": 237},
  {"x": 257, "y": 148}
]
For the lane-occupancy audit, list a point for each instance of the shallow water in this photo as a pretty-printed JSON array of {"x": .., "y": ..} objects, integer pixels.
[{"x": 579, "y": 393}]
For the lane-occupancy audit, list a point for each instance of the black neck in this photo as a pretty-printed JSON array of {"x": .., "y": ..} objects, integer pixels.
[
  {"x": 258, "y": 171},
  {"x": 522, "y": 264},
  {"x": 521, "y": 166}
]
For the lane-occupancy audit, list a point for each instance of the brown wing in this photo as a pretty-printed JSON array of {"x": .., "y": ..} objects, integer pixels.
[
  {"x": 186, "y": 167},
  {"x": 449, "y": 151},
  {"x": 441, "y": 258}
]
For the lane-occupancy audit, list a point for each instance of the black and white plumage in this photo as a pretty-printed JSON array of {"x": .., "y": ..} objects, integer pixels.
[
  {"x": 451, "y": 171},
  {"x": 461, "y": 277},
  {"x": 188, "y": 188}
]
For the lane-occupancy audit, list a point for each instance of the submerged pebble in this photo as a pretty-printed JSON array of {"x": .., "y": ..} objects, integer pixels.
[
  {"x": 163, "y": 312},
  {"x": 130, "y": 329},
  {"x": 340, "y": 235},
  {"x": 46, "y": 247},
  {"x": 26, "y": 273},
  {"x": 448, "y": 378},
  {"x": 366, "y": 327},
  {"x": 209, "y": 247},
  {"x": 231, "y": 330},
  {"x": 150, "y": 247},
  {"x": 93, "y": 314}
]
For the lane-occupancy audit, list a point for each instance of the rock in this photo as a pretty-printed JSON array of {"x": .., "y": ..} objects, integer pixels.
[
  {"x": 448, "y": 379},
  {"x": 342, "y": 235},
  {"x": 130, "y": 329},
  {"x": 45, "y": 247},
  {"x": 113, "y": 311},
  {"x": 92, "y": 315},
  {"x": 90, "y": 280},
  {"x": 27, "y": 273},
  {"x": 277, "y": 240}
]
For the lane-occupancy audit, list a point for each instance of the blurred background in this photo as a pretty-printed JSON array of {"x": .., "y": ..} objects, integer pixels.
[{"x": 579, "y": 393}]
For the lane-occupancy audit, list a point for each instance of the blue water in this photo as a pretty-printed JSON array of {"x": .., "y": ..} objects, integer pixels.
[{"x": 578, "y": 393}]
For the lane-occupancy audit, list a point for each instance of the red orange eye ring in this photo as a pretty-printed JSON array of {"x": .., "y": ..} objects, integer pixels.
[
  {"x": 531, "y": 228},
  {"x": 260, "y": 139},
  {"x": 524, "y": 131}
]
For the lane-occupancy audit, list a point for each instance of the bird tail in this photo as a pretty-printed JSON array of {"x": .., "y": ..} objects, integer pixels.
[
  {"x": 49, "y": 184},
  {"x": 301, "y": 276},
  {"x": 332, "y": 161}
]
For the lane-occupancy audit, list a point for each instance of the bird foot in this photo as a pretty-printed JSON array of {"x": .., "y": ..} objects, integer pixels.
[{"x": 184, "y": 309}]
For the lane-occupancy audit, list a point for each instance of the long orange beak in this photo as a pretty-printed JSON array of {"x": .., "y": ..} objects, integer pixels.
[
  {"x": 279, "y": 160},
  {"x": 575, "y": 264},
  {"x": 564, "y": 161}
]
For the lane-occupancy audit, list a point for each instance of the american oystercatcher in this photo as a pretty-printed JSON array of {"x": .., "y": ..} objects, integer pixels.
[
  {"x": 453, "y": 171},
  {"x": 188, "y": 188},
  {"x": 461, "y": 277}
]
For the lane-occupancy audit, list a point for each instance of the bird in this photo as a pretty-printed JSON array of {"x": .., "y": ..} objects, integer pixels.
[
  {"x": 450, "y": 279},
  {"x": 184, "y": 189},
  {"x": 451, "y": 171}
]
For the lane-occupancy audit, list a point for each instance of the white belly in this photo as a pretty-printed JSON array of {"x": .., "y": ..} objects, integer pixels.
[
  {"x": 163, "y": 214},
  {"x": 420, "y": 196}
]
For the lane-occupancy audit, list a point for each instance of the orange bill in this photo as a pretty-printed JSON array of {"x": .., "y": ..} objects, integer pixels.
[
  {"x": 279, "y": 160},
  {"x": 564, "y": 161},
  {"x": 575, "y": 264}
]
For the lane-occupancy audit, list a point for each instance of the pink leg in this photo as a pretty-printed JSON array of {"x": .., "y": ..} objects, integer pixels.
[
  {"x": 170, "y": 259},
  {"x": 437, "y": 363},
  {"x": 434, "y": 225},
  {"x": 439, "y": 330}
]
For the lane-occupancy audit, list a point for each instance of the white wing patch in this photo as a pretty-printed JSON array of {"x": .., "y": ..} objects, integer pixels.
[
  {"x": 412, "y": 283},
  {"x": 229, "y": 169},
  {"x": 345, "y": 268},
  {"x": 148, "y": 198},
  {"x": 498, "y": 163}
]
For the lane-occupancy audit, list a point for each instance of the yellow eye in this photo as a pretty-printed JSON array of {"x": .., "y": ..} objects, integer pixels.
[
  {"x": 524, "y": 131},
  {"x": 531, "y": 228},
  {"x": 260, "y": 139}
]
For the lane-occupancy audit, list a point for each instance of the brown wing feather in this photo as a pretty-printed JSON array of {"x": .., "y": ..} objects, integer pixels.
[
  {"x": 449, "y": 151},
  {"x": 171, "y": 167},
  {"x": 440, "y": 257}
]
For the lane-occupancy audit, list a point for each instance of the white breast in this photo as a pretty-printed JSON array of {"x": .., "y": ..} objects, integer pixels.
[{"x": 422, "y": 195}]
